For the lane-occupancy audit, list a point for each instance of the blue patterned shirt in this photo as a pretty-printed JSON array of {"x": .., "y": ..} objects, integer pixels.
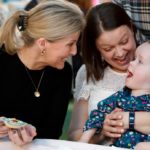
[{"x": 124, "y": 100}]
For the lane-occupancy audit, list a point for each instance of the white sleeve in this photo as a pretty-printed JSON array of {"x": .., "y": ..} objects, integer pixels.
[{"x": 81, "y": 88}]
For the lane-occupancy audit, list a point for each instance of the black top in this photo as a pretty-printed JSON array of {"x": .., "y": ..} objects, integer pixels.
[{"x": 46, "y": 113}]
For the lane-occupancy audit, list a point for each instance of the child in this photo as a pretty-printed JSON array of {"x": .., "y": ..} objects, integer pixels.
[{"x": 134, "y": 97}]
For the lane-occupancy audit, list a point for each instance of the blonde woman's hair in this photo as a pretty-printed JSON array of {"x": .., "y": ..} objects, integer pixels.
[{"x": 51, "y": 20}]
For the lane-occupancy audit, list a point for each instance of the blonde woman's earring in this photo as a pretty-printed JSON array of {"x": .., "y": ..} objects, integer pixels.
[{"x": 43, "y": 52}]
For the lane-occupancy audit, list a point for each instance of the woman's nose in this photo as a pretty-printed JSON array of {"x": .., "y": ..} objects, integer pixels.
[
  {"x": 73, "y": 50},
  {"x": 120, "y": 53}
]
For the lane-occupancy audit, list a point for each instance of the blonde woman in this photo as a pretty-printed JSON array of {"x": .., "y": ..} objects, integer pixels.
[{"x": 35, "y": 80}]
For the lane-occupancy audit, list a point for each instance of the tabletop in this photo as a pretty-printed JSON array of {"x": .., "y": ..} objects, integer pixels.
[{"x": 49, "y": 144}]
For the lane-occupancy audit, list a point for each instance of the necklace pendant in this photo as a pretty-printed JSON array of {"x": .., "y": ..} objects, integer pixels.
[{"x": 37, "y": 94}]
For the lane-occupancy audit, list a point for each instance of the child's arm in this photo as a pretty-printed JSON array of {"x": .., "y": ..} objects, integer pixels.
[{"x": 87, "y": 135}]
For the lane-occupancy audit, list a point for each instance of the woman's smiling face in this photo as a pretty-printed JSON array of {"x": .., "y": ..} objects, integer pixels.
[
  {"x": 117, "y": 47},
  {"x": 58, "y": 51}
]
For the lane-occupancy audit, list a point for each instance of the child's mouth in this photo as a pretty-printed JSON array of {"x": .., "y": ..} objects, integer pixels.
[{"x": 129, "y": 74}]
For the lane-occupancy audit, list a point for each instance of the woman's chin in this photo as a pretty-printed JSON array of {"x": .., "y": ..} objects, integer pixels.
[
  {"x": 120, "y": 69},
  {"x": 124, "y": 67},
  {"x": 60, "y": 66}
]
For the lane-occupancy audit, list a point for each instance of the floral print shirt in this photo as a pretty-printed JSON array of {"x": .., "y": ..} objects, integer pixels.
[{"x": 124, "y": 100}]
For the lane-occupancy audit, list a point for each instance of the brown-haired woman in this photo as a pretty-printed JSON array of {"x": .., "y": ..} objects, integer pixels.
[{"x": 108, "y": 46}]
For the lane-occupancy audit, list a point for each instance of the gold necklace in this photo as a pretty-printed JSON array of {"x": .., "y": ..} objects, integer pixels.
[{"x": 36, "y": 93}]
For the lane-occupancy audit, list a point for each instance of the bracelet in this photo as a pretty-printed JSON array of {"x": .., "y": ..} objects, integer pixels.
[{"x": 131, "y": 120}]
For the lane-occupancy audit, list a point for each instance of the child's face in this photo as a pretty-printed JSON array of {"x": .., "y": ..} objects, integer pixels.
[{"x": 138, "y": 76}]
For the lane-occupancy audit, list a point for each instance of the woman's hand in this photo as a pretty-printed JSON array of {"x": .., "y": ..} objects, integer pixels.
[
  {"x": 113, "y": 127},
  {"x": 3, "y": 129},
  {"x": 115, "y": 123},
  {"x": 22, "y": 135}
]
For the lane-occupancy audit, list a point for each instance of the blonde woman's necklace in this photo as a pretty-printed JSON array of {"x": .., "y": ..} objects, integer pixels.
[{"x": 37, "y": 92}]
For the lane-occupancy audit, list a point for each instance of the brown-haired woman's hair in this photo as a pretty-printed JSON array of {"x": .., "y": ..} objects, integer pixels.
[{"x": 101, "y": 18}]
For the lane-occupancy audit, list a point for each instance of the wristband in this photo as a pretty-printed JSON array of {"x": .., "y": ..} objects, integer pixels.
[{"x": 131, "y": 120}]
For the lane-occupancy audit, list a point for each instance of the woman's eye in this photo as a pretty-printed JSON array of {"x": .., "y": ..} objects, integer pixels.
[
  {"x": 70, "y": 44},
  {"x": 124, "y": 42},
  {"x": 107, "y": 49}
]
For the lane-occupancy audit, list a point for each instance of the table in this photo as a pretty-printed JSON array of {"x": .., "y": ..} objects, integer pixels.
[{"x": 49, "y": 144}]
